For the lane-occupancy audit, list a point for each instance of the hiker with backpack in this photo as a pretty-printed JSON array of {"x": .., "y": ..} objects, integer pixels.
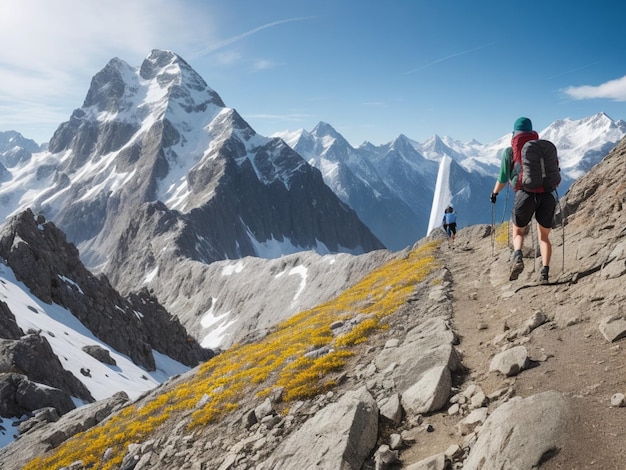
[
  {"x": 449, "y": 224},
  {"x": 531, "y": 166}
]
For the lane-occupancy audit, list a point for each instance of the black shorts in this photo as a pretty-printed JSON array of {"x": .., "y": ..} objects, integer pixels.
[
  {"x": 542, "y": 205},
  {"x": 451, "y": 228}
]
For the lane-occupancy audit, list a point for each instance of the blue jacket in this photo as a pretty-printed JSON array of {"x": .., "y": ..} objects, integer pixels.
[{"x": 449, "y": 218}]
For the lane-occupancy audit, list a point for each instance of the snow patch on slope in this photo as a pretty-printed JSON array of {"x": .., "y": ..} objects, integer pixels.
[
  {"x": 219, "y": 325},
  {"x": 67, "y": 335}
]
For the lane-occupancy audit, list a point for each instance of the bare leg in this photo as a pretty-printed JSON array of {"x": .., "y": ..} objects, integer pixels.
[
  {"x": 545, "y": 247},
  {"x": 518, "y": 237}
]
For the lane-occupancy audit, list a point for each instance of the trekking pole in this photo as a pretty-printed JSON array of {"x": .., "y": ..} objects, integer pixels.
[
  {"x": 493, "y": 227},
  {"x": 508, "y": 227},
  {"x": 506, "y": 203},
  {"x": 558, "y": 201},
  {"x": 534, "y": 242}
]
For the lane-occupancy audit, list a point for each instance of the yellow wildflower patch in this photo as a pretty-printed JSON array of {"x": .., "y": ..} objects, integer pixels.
[
  {"x": 502, "y": 235},
  {"x": 278, "y": 360}
]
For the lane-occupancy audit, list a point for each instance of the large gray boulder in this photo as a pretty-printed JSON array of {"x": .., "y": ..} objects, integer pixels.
[
  {"x": 33, "y": 356},
  {"x": 521, "y": 433},
  {"x": 20, "y": 396},
  {"x": 340, "y": 436}
]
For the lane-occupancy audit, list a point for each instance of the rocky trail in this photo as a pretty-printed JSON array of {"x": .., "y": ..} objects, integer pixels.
[{"x": 567, "y": 351}]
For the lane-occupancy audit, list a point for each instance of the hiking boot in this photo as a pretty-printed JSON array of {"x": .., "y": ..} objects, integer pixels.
[
  {"x": 543, "y": 277},
  {"x": 517, "y": 266}
]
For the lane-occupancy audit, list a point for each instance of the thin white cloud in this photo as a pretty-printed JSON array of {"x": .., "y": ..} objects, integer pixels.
[
  {"x": 613, "y": 90},
  {"x": 228, "y": 58},
  {"x": 448, "y": 57},
  {"x": 227, "y": 42},
  {"x": 577, "y": 69},
  {"x": 263, "y": 64}
]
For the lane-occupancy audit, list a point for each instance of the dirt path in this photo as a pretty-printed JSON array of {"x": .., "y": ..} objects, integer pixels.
[{"x": 570, "y": 354}]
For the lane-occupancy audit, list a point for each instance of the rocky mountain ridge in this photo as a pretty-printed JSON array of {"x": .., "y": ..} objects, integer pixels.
[
  {"x": 470, "y": 371},
  {"x": 39, "y": 254}
]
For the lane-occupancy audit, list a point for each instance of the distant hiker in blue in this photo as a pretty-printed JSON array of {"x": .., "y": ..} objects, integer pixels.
[
  {"x": 449, "y": 224},
  {"x": 539, "y": 202}
]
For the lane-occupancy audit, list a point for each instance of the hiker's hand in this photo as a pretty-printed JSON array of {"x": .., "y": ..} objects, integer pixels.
[{"x": 493, "y": 197}]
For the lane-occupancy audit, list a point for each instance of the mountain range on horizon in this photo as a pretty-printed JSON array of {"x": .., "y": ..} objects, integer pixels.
[{"x": 390, "y": 187}]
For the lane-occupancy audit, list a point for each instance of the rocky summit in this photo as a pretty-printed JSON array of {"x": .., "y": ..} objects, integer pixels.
[{"x": 432, "y": 361}]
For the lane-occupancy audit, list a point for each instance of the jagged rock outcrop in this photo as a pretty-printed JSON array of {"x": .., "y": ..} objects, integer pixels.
[
  {"x": 20, "y": 396},
  {"x": 33, "y": 357},
  {"x": 46, "y": 431},
  {"x": 31, "y": 375},
  {"x": 9, "y": 328},
  {"x": 41, "y": 257}
]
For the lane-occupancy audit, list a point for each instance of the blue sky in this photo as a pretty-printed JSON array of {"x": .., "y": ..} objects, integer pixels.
[{"x": 373, "y": 70}]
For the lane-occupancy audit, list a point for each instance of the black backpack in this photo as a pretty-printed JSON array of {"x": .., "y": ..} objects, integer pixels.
[{"x": 539, "y": 167}]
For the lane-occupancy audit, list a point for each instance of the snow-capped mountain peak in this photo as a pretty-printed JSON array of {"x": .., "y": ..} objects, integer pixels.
[
  {"x": 434, "y": 148},
  {"x": 581, "y": 143},
  {"x": 329, "y": 136},
  {"x": 291, "y": 138},
  {"x": 11, "y": 140},
  {"x": 158, "y": 132}
]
